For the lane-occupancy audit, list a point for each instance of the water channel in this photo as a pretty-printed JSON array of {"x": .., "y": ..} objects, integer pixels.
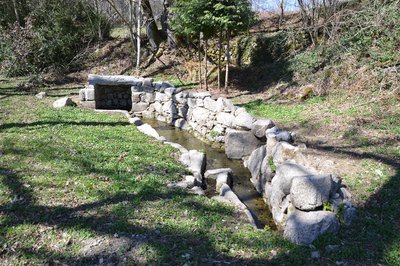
[{"x": 216, "y": 158}]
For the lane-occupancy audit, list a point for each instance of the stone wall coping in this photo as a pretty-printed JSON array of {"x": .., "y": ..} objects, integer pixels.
[{"x": 113, "y": 80}]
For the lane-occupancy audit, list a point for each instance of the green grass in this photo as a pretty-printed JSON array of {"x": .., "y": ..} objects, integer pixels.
[
  {"x": 367, "y": 133},
  {"x": 75, "y": 185},
  {"x": 69, "y": 177},
  {"x": 177, "y": 82},
  {"x": 283, "y": 113}
]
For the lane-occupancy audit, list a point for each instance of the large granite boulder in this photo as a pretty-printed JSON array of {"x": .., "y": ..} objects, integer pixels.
[
  {"x": 195, "y": 161},
  {"x": 254, "y": 164},
  {"x": 200, "y": 115},
  {"x": 284, "y": 151},
  {"x": 226, "y": 195},
  {"x": 239, "y": 144},
  {"x": 223, "y": 178},
  {"x": 266, "y": 171},
  {"x": 169, "y": 109},
  {"x": 310, "y": 192},
  {"x": 162, "y": 97},
  {"x": 225, "y": 119},
  {"x": 170, "y": 91},
  {"x": 225, "y": 105},
  {"x": 210, "y": 104},
  {"x": 213, "y": 173},
  {"x": 136, "y": 97},
  {"x": 260, "y": 126},
  {"x": 181, "y": 98},
  {"x": 279, "y": 203},
  {"x": 181, "y": 123},
  {"x": 304, "y": 227},
  {"x": 243, "y": 121},
  {"x": 149, "y": 131},
  {"x": 63, "y": 102},
  {"x": 157, "y": 107},
  {"x": 148, "y": 97},
  {"x": 139, "y": 107},
  {"x": 286, "y": 172},
  {"x": 177, "y": 146},
  {"x": 41, "y": 95}
]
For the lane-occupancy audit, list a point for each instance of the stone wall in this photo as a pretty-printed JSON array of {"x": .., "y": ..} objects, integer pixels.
[
  {"x": 305, "y": 203},
  {"x": 113, "y": 97}
]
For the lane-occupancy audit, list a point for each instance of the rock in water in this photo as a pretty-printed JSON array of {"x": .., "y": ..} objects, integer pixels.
[
  {"x": 196, "y": 162},
  {"x": 254, "y": 164},
  {"x": 239, "y": 144},
  {"x": 136, "y": 121},
  {"x": 223, "y": 178},
  {"x": 148, "y": 130},
  {"x": 215, "y": 172}
]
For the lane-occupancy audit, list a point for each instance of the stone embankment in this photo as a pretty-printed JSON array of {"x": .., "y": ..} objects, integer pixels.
[{"x": 304, "y": 203}]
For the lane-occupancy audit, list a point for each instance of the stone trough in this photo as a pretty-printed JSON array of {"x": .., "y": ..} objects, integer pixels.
[{"x": 304, "y": 203}]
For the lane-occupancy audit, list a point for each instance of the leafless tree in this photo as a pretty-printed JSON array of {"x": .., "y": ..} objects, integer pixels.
[
  {"x": 133, "y": 22},
  {"x": 282, "y": 5},
  {"x": 318, "y": 15}
]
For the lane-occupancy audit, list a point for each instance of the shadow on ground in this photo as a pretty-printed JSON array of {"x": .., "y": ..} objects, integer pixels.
[
  {"x": 259, "y": 78},
  {"x": 372, "y": 239}
]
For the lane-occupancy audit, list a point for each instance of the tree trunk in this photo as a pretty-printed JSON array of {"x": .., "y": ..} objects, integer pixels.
[
  {"x": 16, "y": 12},
  {"x": 171, "y": 40},
  {"x": 99, "y": 29},
  {"x": 228, "y": 59},
  {"x": 138, "y": 28},
  {"x": 200, "y": 66},
  {"x": 219, "y": 59},
  {"x": 153, "y": 34},
  {"x": 282, "y": 9},
  {"x": 128, "y": 23},
  {"x": 205, "y": 63}
]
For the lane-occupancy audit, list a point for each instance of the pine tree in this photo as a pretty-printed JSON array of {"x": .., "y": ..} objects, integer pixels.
[{"x": 214, "y": 18}]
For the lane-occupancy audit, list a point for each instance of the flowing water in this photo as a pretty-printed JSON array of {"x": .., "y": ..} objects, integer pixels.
[{"x": 216, "y": 158}]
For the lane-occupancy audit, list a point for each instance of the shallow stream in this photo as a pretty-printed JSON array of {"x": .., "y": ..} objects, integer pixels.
[{"x": 216, "y": 158}]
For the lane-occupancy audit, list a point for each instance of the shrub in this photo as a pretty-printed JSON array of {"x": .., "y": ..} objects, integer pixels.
[
  {"x": 16, "y": 50},
  {"x": 54, "y": 33}
]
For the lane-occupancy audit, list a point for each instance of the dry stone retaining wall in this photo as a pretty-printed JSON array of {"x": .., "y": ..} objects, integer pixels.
[{"x": 304, "y": 202}]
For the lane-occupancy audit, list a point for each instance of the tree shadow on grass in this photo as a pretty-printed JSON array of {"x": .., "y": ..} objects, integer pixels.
[
  {"x": 260, "y": 78},
  {"x": 171, "y": 244},
  {"x": 51, "y": 123},
  {"x": 157, "y": 242},
  {"x": 10, "y": 92}
]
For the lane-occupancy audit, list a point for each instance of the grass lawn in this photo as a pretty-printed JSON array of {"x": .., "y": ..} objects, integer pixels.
[
  {"x": 79, "y": 187},
  {"x": 360, "y": 133}
]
